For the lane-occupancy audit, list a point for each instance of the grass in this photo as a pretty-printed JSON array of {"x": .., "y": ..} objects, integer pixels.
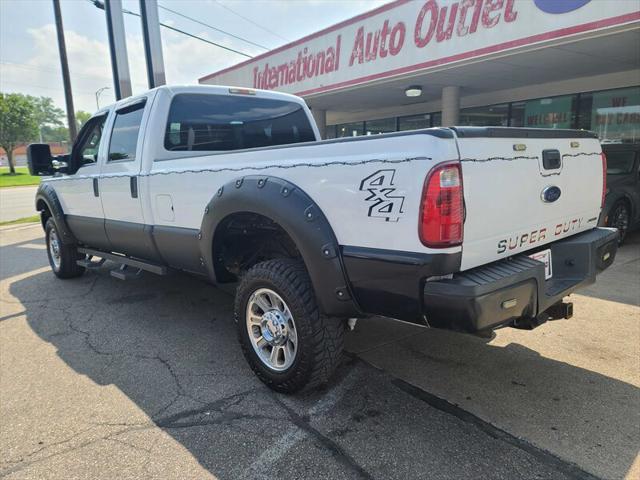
[
  {"x": 32, "y": 219},
  {"x": 20, "y": 179}
]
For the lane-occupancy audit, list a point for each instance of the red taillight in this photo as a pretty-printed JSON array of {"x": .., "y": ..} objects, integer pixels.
[
  {"x": 442, "y": 209},
  {"x": 604, "y": 178}
]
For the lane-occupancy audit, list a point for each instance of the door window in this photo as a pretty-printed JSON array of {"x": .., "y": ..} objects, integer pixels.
[
  {"x": 124, "y": 136},
  {"x": 90, "y": 141}
]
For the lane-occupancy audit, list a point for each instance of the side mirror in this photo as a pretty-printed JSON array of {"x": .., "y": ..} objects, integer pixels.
[
  {"x": 60, "y": 163},
  {"x": 39, "y": 159},
  {"x": 41, "y": 162}
]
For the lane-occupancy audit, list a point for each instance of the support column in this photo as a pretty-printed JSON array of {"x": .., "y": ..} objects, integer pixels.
[
  {"x": 450, "y": 106},
  {"x": 320, "y": 116},
  {"x": 152, "y": 42},
  {"x": 118, "y": 49}
]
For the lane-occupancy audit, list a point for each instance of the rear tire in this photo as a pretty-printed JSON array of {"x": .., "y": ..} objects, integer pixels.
[
  {"x": 287, "y": 342},
  {"x": 619, "y": 217},
  {"x": 62, "y": 258}
]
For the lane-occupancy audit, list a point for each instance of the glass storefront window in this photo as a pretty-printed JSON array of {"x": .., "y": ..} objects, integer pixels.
[
  {"x": 414, "y": 122},
  {"x": 517, "y": 114},
  {"x": 384, "y": 125},
  {"x": 350, "y": 129},
  {"x": 489, "y": 116},
  {"x": 613, "y": 114},
  {"x": 330, "y": 131},
  {"x": 555, "y": 112}
]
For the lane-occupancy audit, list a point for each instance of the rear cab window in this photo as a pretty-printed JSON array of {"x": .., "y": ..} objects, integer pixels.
[{"x": 205, "y": 122}]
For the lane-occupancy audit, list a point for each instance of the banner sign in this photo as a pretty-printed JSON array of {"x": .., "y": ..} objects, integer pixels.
[
  {"x": 616, "y": 114},
  {"x": 409, "y": 36},
  {"x": 549, "y": 113}
]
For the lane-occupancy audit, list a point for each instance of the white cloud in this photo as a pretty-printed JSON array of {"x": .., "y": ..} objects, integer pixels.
[{"x": 186, "y": 59}]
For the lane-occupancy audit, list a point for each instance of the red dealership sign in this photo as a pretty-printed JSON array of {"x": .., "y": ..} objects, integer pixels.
[{"x": 407, "y": 36}]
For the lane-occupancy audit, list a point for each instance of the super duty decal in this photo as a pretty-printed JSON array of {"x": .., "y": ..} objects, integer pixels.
[
  {"x": 381, "y": 189},
  {"x": 535, "y": 237}
]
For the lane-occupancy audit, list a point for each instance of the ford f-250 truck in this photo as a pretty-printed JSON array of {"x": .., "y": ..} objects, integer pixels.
[{"x": 469, "y": 229}]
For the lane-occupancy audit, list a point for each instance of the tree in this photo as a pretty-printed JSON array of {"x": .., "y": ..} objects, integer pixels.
[
  {"x": 81, "y": 118},
  {"x": 18, "y": 123},
  {"x": 47, "y": 114},
  {"x": 54, "y": 134}
]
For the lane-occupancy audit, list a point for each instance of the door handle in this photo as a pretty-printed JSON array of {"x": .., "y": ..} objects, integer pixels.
[
  {"x": 96, "y": 191},
  {"x": 133, "y": 184}
]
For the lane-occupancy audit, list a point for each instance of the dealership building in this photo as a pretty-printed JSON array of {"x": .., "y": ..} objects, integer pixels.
[{"x": 416, "y": 64}]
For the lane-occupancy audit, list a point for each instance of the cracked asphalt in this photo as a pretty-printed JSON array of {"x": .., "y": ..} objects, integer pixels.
[{"x": 103, "y": 379}]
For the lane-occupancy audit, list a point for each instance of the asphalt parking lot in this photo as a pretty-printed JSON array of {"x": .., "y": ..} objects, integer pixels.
[{"x": 144, "y": 379}]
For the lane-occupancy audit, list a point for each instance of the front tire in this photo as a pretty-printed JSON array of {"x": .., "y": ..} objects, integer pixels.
[
  {"x": 62, "y": 258},
  {"x": 286, "y": 341},
  {"x": 619, "y": 217}
]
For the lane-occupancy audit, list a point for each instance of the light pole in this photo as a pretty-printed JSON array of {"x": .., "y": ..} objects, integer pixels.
[
  {"x": 64, "y": 66},
  {"x": 98, "y": 92}
]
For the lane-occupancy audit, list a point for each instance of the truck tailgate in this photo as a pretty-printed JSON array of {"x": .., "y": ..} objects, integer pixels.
[{"x": 527, "y": 191}]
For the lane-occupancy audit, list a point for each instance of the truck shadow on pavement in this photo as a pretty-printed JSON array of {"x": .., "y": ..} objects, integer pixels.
[{"x": 169, "y": 345}]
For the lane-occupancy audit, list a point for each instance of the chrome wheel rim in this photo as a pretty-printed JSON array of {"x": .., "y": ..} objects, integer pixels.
[
  {"x": 54, "y": 248},
  {"x": 271, "y": 329}
]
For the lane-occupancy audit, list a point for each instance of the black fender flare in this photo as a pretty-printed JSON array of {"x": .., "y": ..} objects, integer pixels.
[
  {"x": 47, "y": 194},
  {"x": 302, "y": 219}
]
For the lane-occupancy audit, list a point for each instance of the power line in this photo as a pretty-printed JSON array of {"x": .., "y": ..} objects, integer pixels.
[
  {"x": 100, "y": 5},
  {"x": 43, "y": 87},
  {"x": 212, "y": 27},
  {"x": 252, "y": 22},
  {"x": 204, "y": 40},
  {"x": 30, "y": 66}
]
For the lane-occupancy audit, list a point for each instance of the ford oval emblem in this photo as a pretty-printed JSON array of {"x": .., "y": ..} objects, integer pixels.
[{"x": 551, "y": 194}]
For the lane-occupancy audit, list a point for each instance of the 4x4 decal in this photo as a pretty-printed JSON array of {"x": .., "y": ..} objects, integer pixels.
[{"x": 383, "y": 203}]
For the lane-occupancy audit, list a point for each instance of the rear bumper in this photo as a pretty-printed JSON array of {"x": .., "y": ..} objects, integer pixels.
[{"x": 504, "y": 292}]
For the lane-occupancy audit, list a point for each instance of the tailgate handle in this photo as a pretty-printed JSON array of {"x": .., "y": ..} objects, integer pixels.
[{"x": 551, "y": 159}]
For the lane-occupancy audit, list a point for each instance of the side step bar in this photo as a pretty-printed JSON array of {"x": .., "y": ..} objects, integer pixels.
[
  {"x": 124, "y": 261},
  {"x": 88, "y": 263}
]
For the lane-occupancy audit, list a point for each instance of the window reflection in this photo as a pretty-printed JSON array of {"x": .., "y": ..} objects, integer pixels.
[
  {"x": 613, "y": 114},
  {"x": 489, "y": 116},
  {"x": 384, "y": 125}
]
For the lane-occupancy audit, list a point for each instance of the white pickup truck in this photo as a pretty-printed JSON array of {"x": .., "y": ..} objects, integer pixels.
[{"x": 469, "y": 229}]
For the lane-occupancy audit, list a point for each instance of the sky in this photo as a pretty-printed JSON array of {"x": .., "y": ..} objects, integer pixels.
[{"x": 29, "y": 61}]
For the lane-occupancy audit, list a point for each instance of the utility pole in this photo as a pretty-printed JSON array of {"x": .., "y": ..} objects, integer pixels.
[
  {"x": 64, "y": 65},
  {"x": 152, "y": 42}
]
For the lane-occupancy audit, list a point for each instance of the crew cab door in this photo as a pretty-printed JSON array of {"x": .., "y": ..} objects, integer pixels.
[
  {"x": 119, "y": 179},
  {"x": 78, "y": 192}
]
